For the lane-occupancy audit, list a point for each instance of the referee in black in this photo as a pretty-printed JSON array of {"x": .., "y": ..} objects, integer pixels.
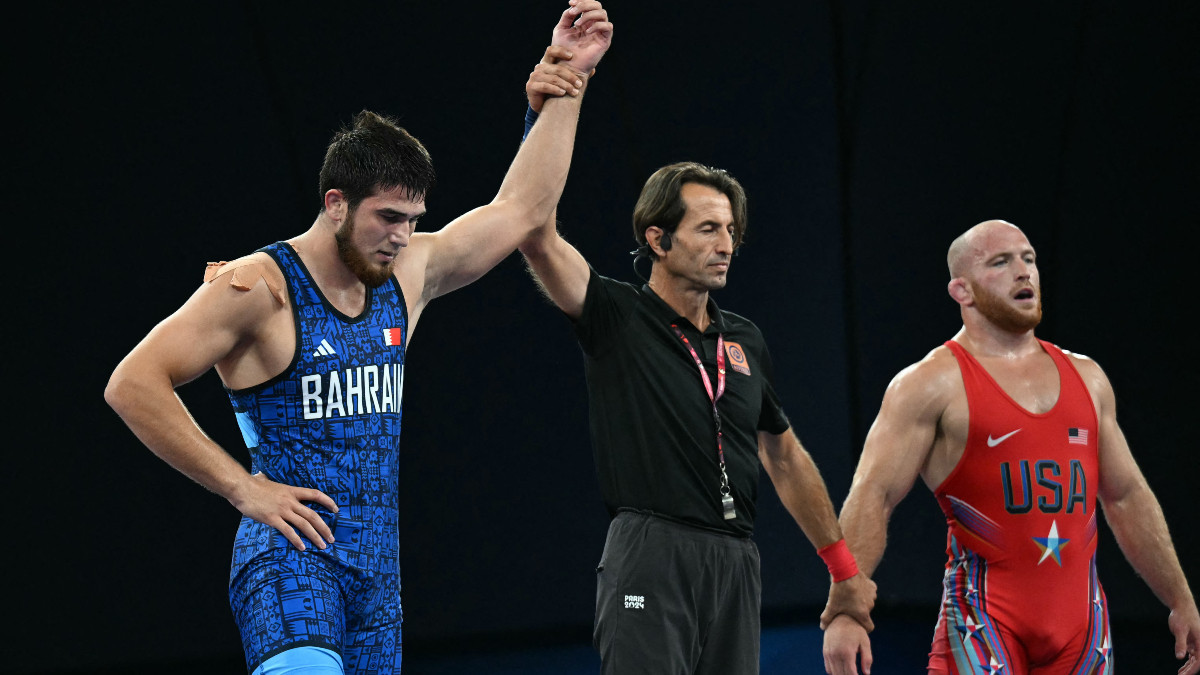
[{"x": 683, "y": 412}]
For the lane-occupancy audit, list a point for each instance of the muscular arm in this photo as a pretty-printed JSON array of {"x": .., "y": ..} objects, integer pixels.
[
  {"x": 1137, "y": 522},
  {"x": 561, "y": 272},
  {"x": 802, "y": 491},
  {"x": 475, "y": 242},
  {"x": 216, "y": 322},
  {"x": 897, "y": 448}
]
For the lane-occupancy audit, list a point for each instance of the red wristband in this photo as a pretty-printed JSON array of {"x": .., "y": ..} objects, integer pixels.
[{"x": 839, "y": 560}]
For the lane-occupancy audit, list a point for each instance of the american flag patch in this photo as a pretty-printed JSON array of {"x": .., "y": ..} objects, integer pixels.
[
  {"x": 1077, "y": 436},
  {"x": 393, "y": 337}
]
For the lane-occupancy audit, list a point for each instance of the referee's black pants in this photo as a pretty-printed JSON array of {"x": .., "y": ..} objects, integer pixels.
[{"x": 676, "y": 600}]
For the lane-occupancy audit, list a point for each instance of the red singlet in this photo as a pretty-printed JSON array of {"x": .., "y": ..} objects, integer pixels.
[{"x": 1020, "y": 594}]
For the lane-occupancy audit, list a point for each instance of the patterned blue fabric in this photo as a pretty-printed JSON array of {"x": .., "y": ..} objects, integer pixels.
[
  {"x": 287, "y": 599},
  {"x": 330, "y": 421},
  {"x": 302, "y": 661}
]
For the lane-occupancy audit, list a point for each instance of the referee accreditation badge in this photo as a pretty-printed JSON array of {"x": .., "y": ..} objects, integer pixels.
[{"x": 737, "y": 358}]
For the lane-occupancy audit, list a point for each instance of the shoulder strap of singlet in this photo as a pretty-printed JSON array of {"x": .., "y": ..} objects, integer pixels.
[
  {"x": 1068, "y": 374},
  {"x": 974, "y": 375},
  {"x": 964, "y": 358},
  {"x": 299, "y": 284},
  {"x": 955, "y": 347}
]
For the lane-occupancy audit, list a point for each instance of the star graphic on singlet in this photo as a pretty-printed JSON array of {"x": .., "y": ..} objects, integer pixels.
[
  {"x": 971, "y": 591},
  {"x": 1097, "y": 600},
  {"x": 969, "y": 629},
  {"x": 1051, "y": 545},
  {"x": 1105, "y": 649},
  {"x": 992, "y": 668}
]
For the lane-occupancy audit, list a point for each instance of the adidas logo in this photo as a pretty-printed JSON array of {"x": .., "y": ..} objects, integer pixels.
[{"x": 325, "y": 349}]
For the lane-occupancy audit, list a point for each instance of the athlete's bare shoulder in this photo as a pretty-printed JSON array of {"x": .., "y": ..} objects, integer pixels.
[
  {"x": 1093, "y": 375},
  {"x": 246, "y": 272},
  {"x": 1079, "y": 360},
  {"x": 414, "y": 260},
  {"x": 924, "y": 390},
  {"x": 413, "y": 270},
  {"x": 936, "y": 373}
]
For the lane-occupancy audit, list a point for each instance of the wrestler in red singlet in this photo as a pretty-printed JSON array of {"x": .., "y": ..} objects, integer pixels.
[{"x": 1021, "y": 596}]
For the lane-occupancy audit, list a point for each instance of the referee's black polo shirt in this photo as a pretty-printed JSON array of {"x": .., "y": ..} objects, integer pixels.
[{"x": 651, "y": 420}]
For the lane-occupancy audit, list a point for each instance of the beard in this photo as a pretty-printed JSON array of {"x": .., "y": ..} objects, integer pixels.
[
  {"x": 373, "y": 275},
  {"x": 1006, "y": 317}
]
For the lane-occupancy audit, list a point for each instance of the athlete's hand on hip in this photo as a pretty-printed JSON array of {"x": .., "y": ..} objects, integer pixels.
[
  {"x": 282, "y": 507},
  {"x": 854, "y": 596},
  {"x": 1185, "y": 626},
  {"x": 845, "y": 640},
  {"x": 584, "y": 29}
]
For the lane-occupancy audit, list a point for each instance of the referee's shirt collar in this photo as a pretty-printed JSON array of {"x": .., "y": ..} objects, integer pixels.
[{"x": 660, "y": 308}]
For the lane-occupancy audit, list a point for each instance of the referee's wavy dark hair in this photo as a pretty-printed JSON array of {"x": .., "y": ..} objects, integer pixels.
[
  {"x": 661, "y": 206},
  {"x": 375, "y": 154}
]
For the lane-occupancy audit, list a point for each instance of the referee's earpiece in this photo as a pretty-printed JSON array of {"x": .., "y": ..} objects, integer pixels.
[{"x": 665, "y": 241}]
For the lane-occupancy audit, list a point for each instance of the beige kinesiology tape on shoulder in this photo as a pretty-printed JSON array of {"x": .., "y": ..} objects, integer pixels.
[{"x": 245, "y": 273}]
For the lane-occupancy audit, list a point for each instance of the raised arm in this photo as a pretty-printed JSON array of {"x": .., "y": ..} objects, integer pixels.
[
  {"x": 217, "y": 321},
  {"x": 896, "y": 450},
  {"x": 472, "y": 244},
  {"x": 559, "y": 269},
  {"x": 802, "y": 491},
  {"x": 1136, "y": 519}
]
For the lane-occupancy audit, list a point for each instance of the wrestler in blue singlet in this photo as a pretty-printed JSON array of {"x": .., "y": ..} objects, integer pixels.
[{"x": 330, "y": 421}]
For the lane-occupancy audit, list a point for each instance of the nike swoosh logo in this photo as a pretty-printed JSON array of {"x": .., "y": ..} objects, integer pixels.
[{"x": 993, "y": 442}]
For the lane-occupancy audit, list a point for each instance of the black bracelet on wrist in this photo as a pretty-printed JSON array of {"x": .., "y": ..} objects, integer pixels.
[{"x": 530, "y": 118}]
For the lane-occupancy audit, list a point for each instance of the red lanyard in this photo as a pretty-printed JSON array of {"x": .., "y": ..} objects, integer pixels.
[{"x": 726, "y": 499}]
